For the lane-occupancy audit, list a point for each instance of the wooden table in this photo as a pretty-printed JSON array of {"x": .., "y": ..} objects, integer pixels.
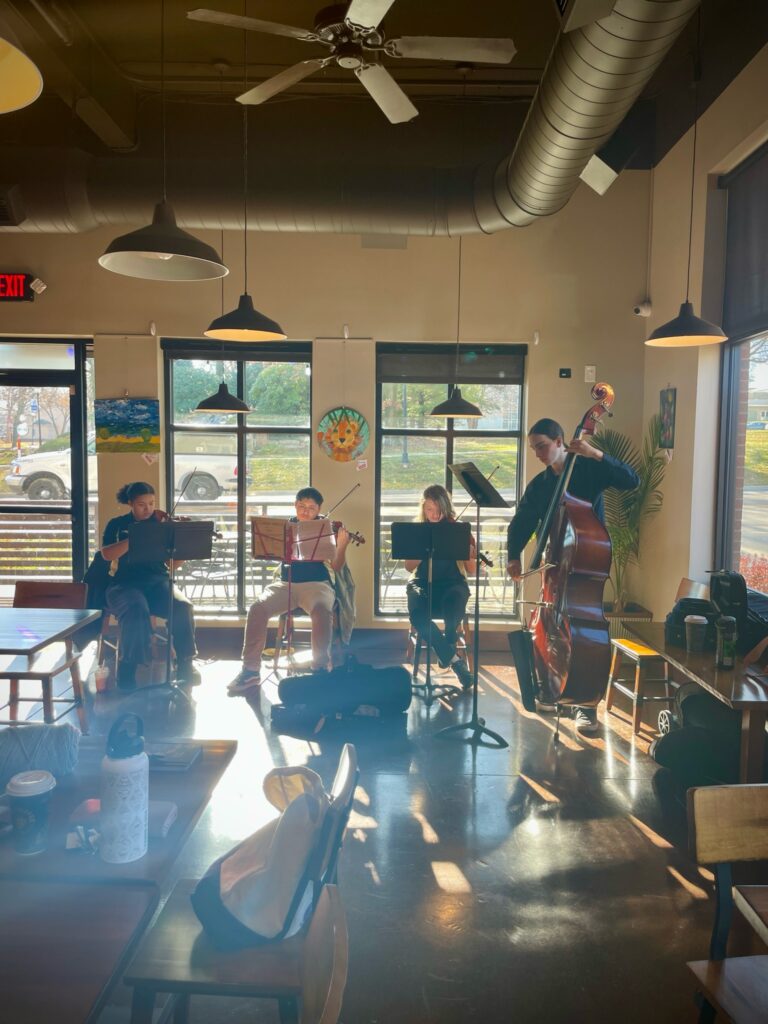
[
  {"x": 735, "y": 687},
  {"x": 190, "y": 790},
  {"x": 63, "y": 944},
  {"x": 29, "y": 633}
]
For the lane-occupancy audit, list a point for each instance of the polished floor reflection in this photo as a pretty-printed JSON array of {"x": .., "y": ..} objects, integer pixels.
[{"x": 536, "y": 883}]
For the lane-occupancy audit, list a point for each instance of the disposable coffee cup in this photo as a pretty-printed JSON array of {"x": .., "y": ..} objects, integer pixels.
[
  {"x": 29, "y": 794},
  {"x": 695, "y": 633}
]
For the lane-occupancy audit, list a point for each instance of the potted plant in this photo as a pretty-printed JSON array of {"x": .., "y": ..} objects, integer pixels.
[{"x": 627, "y": 511}]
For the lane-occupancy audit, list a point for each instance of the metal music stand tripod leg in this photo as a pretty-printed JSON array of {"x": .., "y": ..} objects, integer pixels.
[{"x": 426, "y": 689}]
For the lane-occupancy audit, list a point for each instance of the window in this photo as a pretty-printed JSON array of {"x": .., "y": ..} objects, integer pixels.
[
  {"x": 228, "y": 467},
  {"x": 415, "y": 450},
  {"x": 742, "y": 541}
]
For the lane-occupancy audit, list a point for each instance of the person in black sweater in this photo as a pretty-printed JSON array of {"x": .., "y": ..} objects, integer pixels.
[
  {"x": 141, "y": 589},
  {"x": 593, "y": 472},
  {"x": 450, "y": 591}
]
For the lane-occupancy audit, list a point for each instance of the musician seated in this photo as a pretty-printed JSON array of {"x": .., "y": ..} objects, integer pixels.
[
  {"x": 310, "y": 589},
  {"x": 140, "y": 590},
  {"x": 593, "y": 473},
  {"x": 450, "y": 590}
]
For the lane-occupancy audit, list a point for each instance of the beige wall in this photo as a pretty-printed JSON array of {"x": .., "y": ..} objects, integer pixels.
[
  {"x": 573, "y": 278},
  {"x": 680, "y": 541}
]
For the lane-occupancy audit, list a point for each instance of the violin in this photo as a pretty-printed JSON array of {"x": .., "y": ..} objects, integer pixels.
[
  {"x": 354, "y": 538},
  {"x": 168, "y": 517}
]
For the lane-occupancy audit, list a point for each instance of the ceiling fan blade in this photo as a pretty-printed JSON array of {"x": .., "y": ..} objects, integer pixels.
[
  {"x": 385, "y": 92},
  {"x": 254, "y": 24},
  {"x": 480, "y": 51},
  {"x": 284, "y": 80},
  {"x": 367, "y": 13}
]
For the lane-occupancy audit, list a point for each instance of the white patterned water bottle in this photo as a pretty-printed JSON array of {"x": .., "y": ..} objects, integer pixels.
[{"x": 124, "y": 793}]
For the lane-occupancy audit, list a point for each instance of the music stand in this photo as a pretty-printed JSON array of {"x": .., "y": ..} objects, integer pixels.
[
  {"x": 426, "y": 541},
  {"x": 484, "y": 495},
  {"x": 277, "y": 539},
  {"x": 153, "y": 541}
]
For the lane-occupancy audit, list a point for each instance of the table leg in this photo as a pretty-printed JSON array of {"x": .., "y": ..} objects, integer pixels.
[
  {"x": 752, "y": 745},
  {"x": 77, "y": 685},
  {"x": 142, "y": 1005}
]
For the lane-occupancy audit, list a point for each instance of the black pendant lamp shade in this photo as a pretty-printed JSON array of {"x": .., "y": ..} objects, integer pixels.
[
  {"x": 162, "y": 251},
  {"x": 222, "y": 401},
  {"x": 245, "y": 324},
  {"x": 456, "y": 407},
  {"x": 686, "y": 330}
]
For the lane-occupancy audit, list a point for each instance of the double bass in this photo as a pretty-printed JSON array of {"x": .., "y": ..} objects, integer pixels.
[{"x": 571, "y": 645}]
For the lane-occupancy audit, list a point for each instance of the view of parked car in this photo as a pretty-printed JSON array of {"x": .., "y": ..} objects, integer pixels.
[
  {"x": 758, "y": 425},
  {"x": 45, "y": 476}
]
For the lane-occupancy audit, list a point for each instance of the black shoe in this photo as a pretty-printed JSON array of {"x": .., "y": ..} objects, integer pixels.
[
  {"x": 446, "y": 652},
  {"x": 187, "y": 672},
  {"x": 462, "y": 673},
  {"x": 126, "y": 675}
]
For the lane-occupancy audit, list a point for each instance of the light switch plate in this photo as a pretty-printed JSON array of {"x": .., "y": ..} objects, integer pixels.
[{"x": 589, "y": 375}]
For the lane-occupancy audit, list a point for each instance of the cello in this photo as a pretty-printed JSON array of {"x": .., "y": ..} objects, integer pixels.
[{"x": 571, "y": 645}]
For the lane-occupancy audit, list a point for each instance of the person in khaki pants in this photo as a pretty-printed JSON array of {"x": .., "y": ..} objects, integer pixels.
[{"x": 310, "y": 589}]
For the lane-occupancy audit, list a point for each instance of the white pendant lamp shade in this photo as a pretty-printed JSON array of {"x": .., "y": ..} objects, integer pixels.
[
  {"x": 20, "y": 81},
  {"x": 245, "y": 324},
  {"x": 162, "y": 251}
]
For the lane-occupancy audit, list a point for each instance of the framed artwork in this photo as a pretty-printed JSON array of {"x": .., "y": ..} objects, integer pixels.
[
  {"x": 127, "y": 424},
  {"x": 667, "y": 403},
  {"x": 343, "y": 434}
]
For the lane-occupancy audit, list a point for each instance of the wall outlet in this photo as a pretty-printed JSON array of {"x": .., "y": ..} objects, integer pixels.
[{"x": 589, "y": 375}]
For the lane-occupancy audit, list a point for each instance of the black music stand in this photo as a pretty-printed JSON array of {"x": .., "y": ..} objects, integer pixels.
[
  {"x": 484, "y": 495},
  {"x": 426, "y": 541},
  {"x": 153, "y": 541}
]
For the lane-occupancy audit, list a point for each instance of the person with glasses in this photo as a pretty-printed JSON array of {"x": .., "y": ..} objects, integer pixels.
[
  {"x": 311, "y": 589},
  {"x": 593, "y": 472}
]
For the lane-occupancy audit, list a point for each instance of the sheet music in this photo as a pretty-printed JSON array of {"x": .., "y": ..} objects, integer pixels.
[{"x": 313, "y": 541}]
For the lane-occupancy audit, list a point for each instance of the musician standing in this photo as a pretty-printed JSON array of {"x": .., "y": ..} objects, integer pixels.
[
  {"x": 141, "y": 589},
  {"x": 593, "y": 472},
  {"x": 310, "y": 589}
]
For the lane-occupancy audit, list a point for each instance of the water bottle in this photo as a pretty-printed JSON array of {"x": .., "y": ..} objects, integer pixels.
[
  {"x": 726, "y": 641},
  {"x": 124, "y": 793}
]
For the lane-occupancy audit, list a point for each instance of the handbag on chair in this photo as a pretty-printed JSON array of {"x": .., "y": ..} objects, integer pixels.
[{"x": 97, "y": 579}]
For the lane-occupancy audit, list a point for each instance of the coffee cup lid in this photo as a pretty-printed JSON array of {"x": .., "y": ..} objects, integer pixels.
[
  {"x": 696, "y": 618},
  {"x": 30, "y": 783}
]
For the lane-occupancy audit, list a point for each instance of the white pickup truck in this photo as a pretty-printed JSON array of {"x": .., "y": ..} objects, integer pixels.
[{"x": 46, "y": 475}]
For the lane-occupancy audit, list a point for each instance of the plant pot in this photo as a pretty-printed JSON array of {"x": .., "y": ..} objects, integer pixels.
[{"x": 632, "y": 612}]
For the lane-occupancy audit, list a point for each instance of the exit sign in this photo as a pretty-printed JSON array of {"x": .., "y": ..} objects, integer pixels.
[{"x": 16, "y": 287}]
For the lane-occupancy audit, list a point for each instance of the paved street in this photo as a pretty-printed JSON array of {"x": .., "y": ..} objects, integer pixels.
[{"x": 754, "y": 520}]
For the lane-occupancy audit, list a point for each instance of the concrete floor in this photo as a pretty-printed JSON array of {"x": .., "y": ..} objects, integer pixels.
[{"x": 531, "y": 884}]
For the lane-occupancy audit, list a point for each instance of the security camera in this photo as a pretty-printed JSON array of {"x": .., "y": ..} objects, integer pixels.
[{"x": 643, "y": 308}]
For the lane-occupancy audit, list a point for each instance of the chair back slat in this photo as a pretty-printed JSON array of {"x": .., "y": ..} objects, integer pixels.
[
  {"x": 325, "y": 960},
  {"x": 728, "y": 823},
  {"x": 49, "y": 594}
]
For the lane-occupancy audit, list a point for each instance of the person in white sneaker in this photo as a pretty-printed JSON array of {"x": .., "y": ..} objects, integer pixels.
[
  {"x": 592, "y": 474},
  {"x": 311, "y": 590},
  {"x": 450, "y": 591}
]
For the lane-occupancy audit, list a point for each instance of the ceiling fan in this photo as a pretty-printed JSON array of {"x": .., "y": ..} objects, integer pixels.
[{"x": 356, "y": 40}]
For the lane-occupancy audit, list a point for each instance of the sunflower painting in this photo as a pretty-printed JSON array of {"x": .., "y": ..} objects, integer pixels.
[{"x": 343, "y": 434}]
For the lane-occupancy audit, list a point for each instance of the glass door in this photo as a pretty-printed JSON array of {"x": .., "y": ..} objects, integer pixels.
[{"x": 43, "y": 517}]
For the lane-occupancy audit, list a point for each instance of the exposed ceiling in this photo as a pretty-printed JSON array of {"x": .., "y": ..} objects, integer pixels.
[{"x": 101, "y": 105}]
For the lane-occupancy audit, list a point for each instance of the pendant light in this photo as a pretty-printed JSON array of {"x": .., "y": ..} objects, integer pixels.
[
  {"x": 687, "y": 330},
  {"x": 245, "y": 323},
  {"x": 223, "y": 401},
  {"x": 455, "y": 407},
  {"x": 162, "y": 251},
  {"x": 20, "y": 81}
]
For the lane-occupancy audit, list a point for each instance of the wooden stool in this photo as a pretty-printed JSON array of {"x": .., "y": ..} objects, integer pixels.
[
  {"x": 644, "y": 658},
  {"x": 416, "y": 645}
]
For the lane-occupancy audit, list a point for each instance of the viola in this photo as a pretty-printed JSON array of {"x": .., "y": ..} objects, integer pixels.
[
  {"x": 354, "y": 538},
  {"x": 169, "y": 517},
  {"x": 571, "y": 644}
]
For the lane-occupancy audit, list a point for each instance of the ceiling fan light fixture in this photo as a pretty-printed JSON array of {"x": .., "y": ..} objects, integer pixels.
[
  {"x": 162, "y": 251},
  {"x": 686, "y": 330},
  {"x": 223, "y": 401},
  {"x": 457, "y": 408},
  {"x": 20, "y": 80},
  {"x": 245, "y": 324}
]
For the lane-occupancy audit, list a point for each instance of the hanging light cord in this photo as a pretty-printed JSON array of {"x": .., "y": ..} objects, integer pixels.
[
  {"x": 245, "y": 154},
  {"x": 162, "y": 94},
  {"x": 458, "y": 320},
  {"x": 696, "y": 78}
]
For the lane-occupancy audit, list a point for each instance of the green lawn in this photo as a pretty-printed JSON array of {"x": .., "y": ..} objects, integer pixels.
[{"x": 756, "y": 458}]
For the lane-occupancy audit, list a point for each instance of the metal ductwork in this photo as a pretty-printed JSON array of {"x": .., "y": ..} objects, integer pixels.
[{"x": 592, "y": 79}]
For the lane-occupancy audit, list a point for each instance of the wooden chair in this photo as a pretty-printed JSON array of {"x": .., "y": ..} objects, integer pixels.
[
  {"x": 305, "y": 973},
  {"x": 645, "y": 660},
  {"x": 727, "y": 825},
  {"x": 45, "y": 666},
  {"x": 294, "y": 631},
  {"x": 109, "y": 638},
  {"x": 415, "y": 646}
]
